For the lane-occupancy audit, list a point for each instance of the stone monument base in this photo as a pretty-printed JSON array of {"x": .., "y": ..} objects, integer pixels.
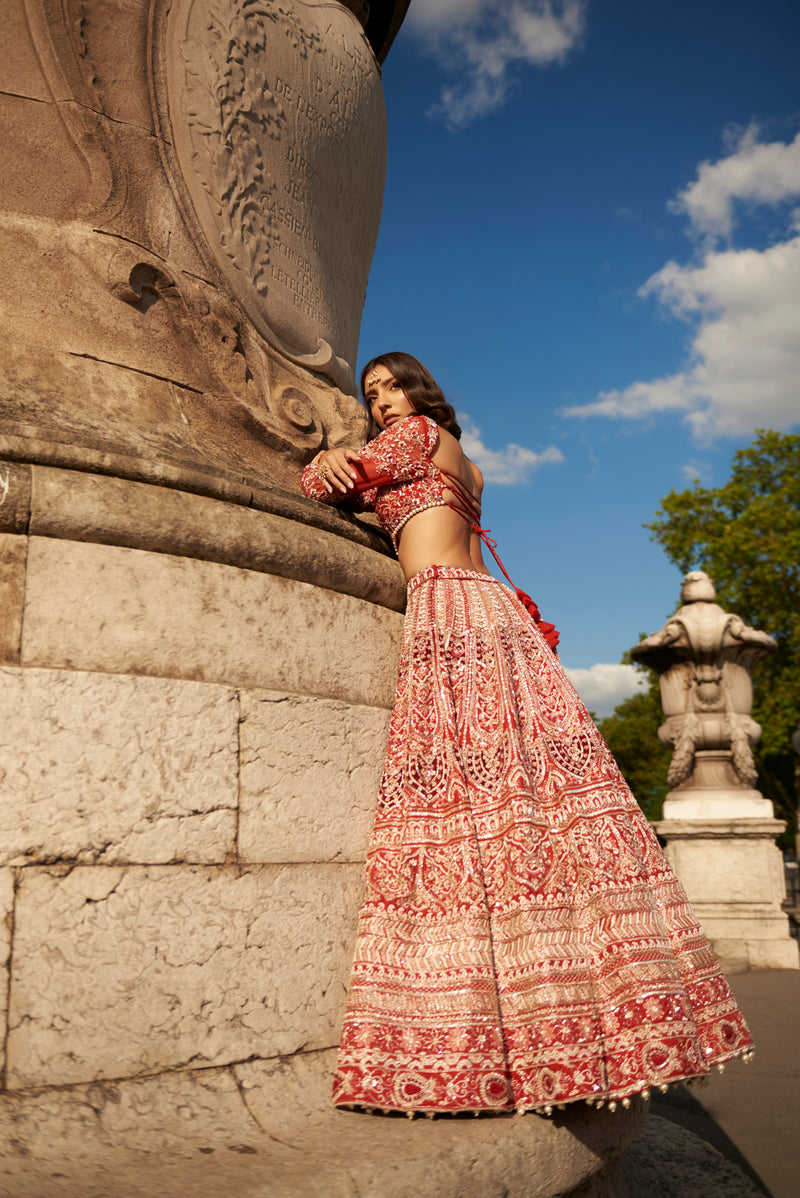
[
  {"x": 195, "y": 705},
  {"x": 733, "y": 874},
  {"x": 714, "y": 792},
  {"x": 267, "y": 1129},
  {"x": 720, "y": 804}
]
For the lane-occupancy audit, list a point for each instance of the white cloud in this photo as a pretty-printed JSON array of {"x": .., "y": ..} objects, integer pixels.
[
  {"x": 482, "y": 41},
  {"x": 696, "y": 471},
  {"x": 744, "y": 362},
  {"x": 757, "y": 172},
  {"x": 432, "y": 17},
  {"x": 603, "y": 685},
  {"x": 505, "y": 466}
]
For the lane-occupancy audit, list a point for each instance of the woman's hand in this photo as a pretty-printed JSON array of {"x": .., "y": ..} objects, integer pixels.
[{"x": 335, "y": 470}]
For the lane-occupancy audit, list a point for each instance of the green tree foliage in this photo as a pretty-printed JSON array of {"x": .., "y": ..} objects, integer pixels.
[{"x": 746, "y": 536}]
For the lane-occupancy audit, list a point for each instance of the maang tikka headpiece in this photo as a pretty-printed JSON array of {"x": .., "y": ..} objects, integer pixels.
[{"x": 373, "y": 378}]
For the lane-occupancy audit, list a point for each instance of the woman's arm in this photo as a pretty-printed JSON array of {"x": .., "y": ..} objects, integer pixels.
[
  {"x": 330, "y": 476},
  {"x": 400, "y": 453}
]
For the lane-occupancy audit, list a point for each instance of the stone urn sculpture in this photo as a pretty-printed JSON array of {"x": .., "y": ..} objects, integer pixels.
[
  {"x": 720, "y": 830},
  {"x": 704, "y": 658}
]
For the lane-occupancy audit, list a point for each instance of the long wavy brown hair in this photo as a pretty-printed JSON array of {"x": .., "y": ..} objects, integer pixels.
[{"x": 420, "y": 387}]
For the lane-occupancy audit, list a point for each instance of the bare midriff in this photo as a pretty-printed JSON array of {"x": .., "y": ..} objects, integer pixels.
[{"x": 439, "y": 537}]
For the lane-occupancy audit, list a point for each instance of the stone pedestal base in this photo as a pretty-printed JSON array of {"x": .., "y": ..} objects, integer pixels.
[
  {"x": 714, "y": 792},
  {"x": 192, "y": 731},
  {"x": 708, "y": 803},
  {"x": 733, "y": 874},
  {"x": 267, "y": 1129}
]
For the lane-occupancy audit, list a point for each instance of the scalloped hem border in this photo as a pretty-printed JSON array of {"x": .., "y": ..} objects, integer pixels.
[{"x": 613, "y": 1099}]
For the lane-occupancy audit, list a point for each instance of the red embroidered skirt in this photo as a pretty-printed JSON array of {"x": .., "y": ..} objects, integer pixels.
[{"x": 523, "y": 941}]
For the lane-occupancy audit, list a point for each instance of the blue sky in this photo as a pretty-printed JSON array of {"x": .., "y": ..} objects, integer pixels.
[{"x": 591, "y": 236}]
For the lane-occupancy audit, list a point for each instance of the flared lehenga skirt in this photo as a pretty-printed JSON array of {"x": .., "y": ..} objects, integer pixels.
[{"x": 523, "y": 941}]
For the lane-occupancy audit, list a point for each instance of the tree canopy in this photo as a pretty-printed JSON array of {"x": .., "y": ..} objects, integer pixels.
[{"x": 746, "y": 536}]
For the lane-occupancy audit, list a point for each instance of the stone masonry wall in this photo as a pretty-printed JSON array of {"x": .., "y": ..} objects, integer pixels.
[{"x": 180, "y": 866}]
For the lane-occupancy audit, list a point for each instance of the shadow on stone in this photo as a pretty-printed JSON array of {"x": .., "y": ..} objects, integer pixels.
[{"x": 679, "y": 1105}]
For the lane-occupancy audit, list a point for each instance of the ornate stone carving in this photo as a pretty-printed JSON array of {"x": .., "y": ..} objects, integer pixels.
[
  {"x": 704, "y": 656},
  {"x": 279, "y": 132},
  {"x": 719, "y": 830},
  {"x": 168, "y": 363}
]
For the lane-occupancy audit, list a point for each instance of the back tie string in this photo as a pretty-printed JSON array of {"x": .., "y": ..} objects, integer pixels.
[{"x": 469, "y": 510}]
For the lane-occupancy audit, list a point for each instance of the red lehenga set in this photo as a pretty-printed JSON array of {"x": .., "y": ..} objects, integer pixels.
[{"x": 523, "y": 941}]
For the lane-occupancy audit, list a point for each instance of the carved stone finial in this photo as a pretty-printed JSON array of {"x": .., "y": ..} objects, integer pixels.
[{"x": 697, "y": 587}]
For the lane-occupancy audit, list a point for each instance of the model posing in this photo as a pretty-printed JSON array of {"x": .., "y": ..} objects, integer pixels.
[{"x": 523, "y": 941}]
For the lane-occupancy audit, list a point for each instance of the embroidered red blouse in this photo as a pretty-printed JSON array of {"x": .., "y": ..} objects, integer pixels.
[{"x": 398, "y": 478}]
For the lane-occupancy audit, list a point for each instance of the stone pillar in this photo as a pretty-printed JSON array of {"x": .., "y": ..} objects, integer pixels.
[
  {"x": 197, "y": 664},
  {"x": 720, "y": 830}
]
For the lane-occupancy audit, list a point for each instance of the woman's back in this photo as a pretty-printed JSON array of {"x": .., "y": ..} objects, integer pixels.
[{"x": 442, "y": 536}]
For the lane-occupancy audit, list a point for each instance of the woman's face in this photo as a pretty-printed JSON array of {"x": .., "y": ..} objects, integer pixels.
[{"x": 386, "y": 398}]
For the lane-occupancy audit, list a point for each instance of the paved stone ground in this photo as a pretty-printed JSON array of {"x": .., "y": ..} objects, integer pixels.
[{"x": 750, "y": 1114}]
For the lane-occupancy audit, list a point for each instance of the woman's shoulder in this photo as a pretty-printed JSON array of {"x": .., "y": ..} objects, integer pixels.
[
  {"x": 421, "y": 425},
  {"x": 452, "y": 460},
  {"x": 477, "y": 474},
  {"x": 428, "y": 430},
  {"x": 416, "y": 430}
]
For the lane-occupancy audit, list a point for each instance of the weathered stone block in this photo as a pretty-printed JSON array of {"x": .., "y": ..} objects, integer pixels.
[
  {"x": 733, "y": 874},
  {"x": 727, "y": 858},
  {"x": 769, "y": 945},
  {"x": 667, "y": 1161},
  {"x": 13, "y": 555},
  {"x": 73, "y": 505},
  {"x": 98, "y": 322},
  {"x": 120, "y": 972},
  {"x": 309, "y": 777},
  {"x": 119, "y": 79},
  {"x": 98, "y": 767},
  {"x": 99, "y": 607},
  {"x": 180, "y": 1135},
  {"x": 150, "y": 211},
  {"x": 44, "y": 173},
  {"x": 15, "y": 493},
  {"x": 33, "y": 379}
]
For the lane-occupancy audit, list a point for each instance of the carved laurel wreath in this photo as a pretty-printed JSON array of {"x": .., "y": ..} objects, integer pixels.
[{"x": 231, "y": 108}]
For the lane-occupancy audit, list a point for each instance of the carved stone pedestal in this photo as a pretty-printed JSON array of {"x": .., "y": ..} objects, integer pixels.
[
  {"x": 733, "y": 873},
  {"x": 190, "y": 752},
  {"x": 719, "y": 829},
  {"x": 716, "y": 793}
]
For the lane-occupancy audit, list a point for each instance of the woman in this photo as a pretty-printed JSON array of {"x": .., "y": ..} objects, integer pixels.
[{"x": 523, "y": 942}]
